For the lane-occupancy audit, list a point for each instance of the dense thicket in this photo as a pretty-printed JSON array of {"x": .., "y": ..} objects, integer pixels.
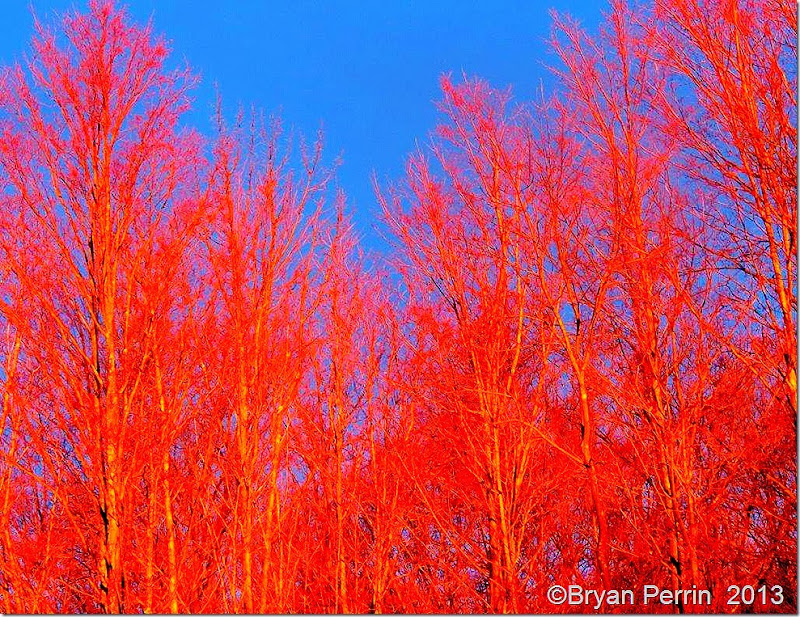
[{"x": 575, "y": 364}]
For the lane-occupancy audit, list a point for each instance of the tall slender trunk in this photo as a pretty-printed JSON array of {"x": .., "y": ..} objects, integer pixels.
[
  {"x": 496, "y": 591},
  {"x": 341, "y": 565},
  {"x": 676, "y": 565},
  {"x": 504, "y": 599},
  {"x": 110, "y": 574},
  {"x": 601, "y": 523},
  {"x": 246, "y": 455},
  {"x": 271, "y": 569},
  {"x": 151, "y": 541},
  {"x": 10, "y": 565},
  {"x": 168, "y": 514},
  {"x": 692, "y": 540},
  {"x": 268, "y": 567},
  {"x": 170, "y": 523},
  {"x": 381, "y": 528},
  {"x": 111, "y": 420}
]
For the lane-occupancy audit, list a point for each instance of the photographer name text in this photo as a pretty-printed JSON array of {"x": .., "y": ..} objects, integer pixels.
[{"x": 654, "y": 595}]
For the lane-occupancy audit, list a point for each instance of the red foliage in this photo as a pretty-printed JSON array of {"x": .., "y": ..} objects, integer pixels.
[{"x": 578, "y": 366}]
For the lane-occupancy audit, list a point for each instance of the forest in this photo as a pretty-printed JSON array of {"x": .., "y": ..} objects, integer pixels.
[{"x": 574, "y": 363}]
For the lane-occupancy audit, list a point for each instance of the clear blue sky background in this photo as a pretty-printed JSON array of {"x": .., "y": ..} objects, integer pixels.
[{"x": 366, "y": 72}]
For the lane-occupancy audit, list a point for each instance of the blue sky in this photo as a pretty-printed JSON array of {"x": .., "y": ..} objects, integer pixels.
[{"x": 366, "y": 72}]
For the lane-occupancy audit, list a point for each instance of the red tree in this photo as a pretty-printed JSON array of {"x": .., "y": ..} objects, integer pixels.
[{"x": 578, "y": 366}]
